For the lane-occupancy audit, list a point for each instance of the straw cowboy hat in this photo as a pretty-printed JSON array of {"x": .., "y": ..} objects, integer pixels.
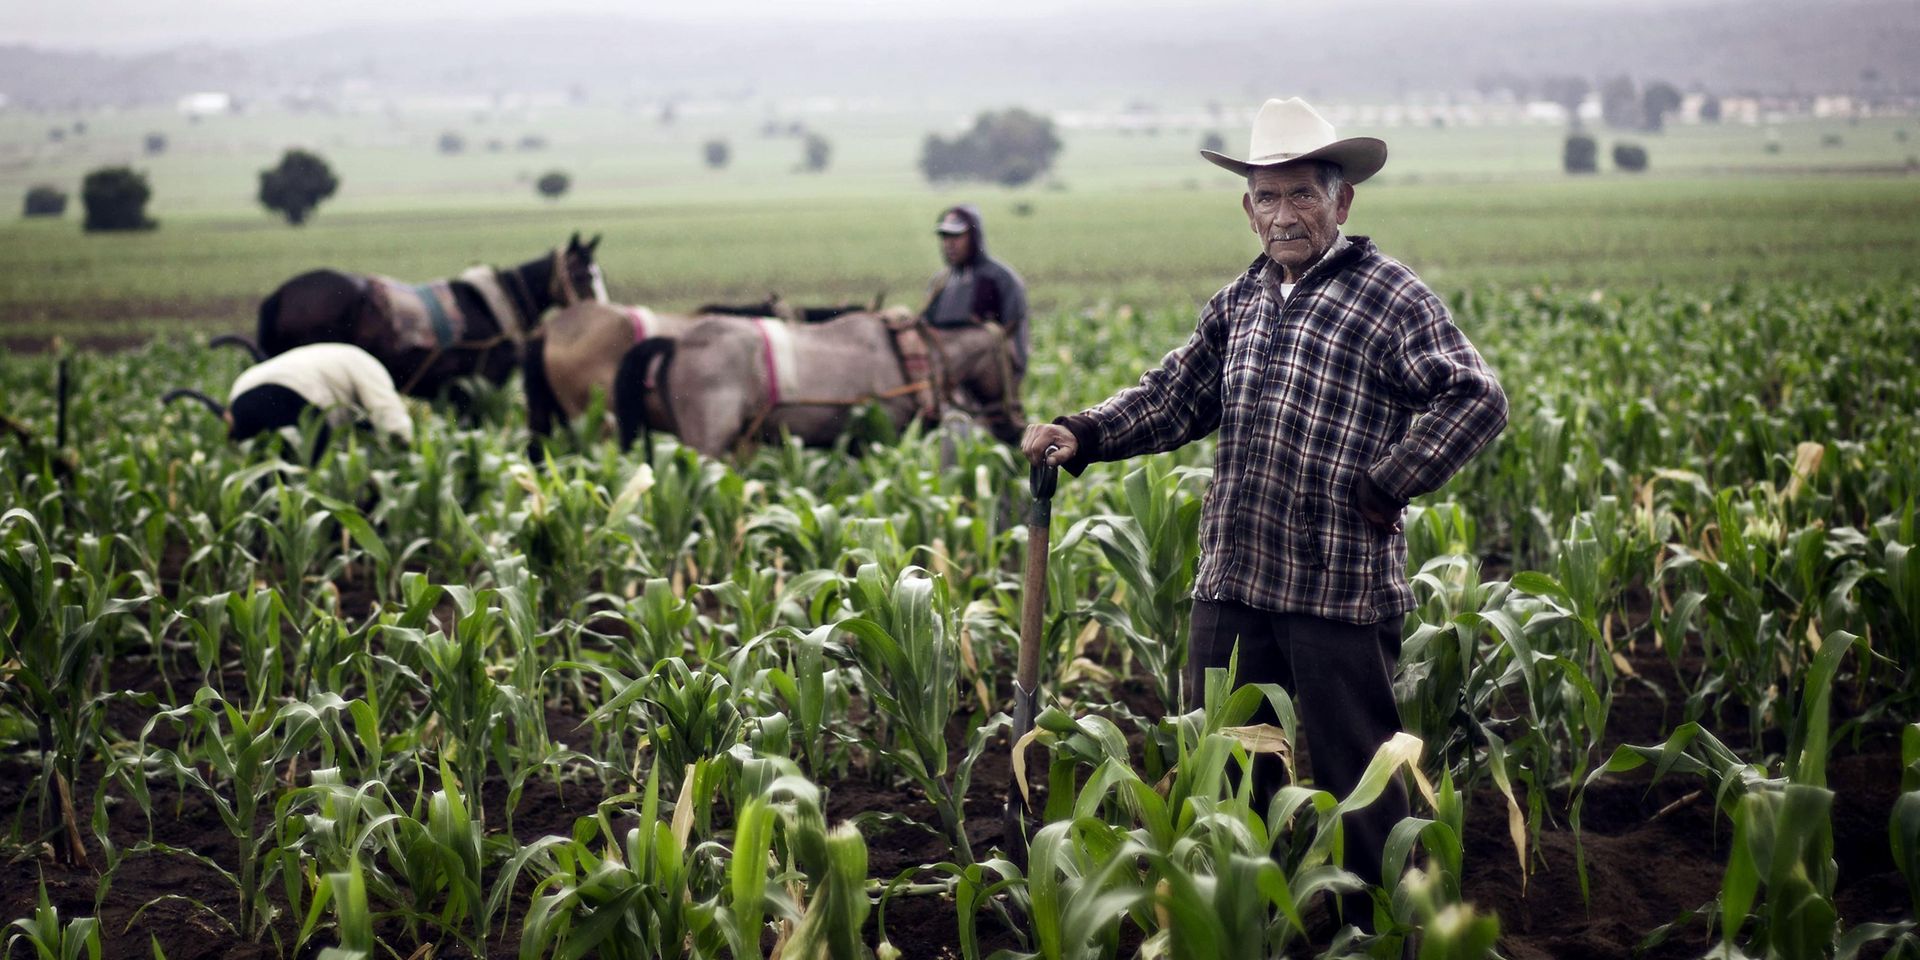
[{"x": 1290, "y": 131}]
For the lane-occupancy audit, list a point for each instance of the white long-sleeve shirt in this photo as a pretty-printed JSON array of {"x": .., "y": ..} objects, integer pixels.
[{"x": 339, "y": 378}]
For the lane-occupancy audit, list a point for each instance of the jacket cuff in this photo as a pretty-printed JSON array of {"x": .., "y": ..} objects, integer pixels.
[
  {"x": 1086, "y": 435},
  {"x": 1375, "y": 493}
]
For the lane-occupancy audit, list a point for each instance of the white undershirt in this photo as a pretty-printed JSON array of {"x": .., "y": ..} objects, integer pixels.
[{"x": 1286, "y": 290}]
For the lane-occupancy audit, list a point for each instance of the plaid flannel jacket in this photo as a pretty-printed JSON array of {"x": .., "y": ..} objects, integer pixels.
[{"x": 1361, "y": 369}]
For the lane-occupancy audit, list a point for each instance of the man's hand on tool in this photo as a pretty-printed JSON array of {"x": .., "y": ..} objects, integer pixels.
[{"x": 1048, "y": 444}]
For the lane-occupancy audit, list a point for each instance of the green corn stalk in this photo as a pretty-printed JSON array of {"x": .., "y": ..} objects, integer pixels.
[
  {"x": 1079, "y": 889},
  {"x": 438, "y": 854},
  {"x": 1782, "y": 844},
  {"x": 1450, "y": 930},
  {"x": 246, "y": 752},
  {"x": 56, "y": 641},
  {"x": 907, "y": 651},
  {"x": 50, "y": 939},
  {"x": 483, "y": 718},
  {"x": 346, "y": 893},
  {"x": 815, "y": 696},
  {"x": 1152, "y": 544},
  {"x": 632, "y": 901}
]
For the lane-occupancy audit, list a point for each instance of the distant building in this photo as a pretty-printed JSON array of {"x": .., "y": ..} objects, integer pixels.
[{"x": 205, "y": 104}]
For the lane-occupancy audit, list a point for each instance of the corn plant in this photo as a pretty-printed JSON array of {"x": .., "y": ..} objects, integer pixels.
[
  {"x": 906, "y": 649},
  {"x": 346, "y": 893},
  {"x": 1152, "y": 544},
  {"x": 481, "y": 717},
  {"x": 631, "y": 900},
  {"x": 1079, "y": 889},
  {"x": 49, "y": 939},
  {"x": 815, "y": 695},
  {"x": 246, "y": 752},
  {"x": 58, "y": 636}
]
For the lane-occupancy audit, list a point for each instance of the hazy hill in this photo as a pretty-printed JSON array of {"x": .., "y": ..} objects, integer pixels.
[{"x": 1233, "y": 52}]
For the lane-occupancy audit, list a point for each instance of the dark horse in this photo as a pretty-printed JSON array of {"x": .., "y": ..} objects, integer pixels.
[{"x": 428, "y": 336}]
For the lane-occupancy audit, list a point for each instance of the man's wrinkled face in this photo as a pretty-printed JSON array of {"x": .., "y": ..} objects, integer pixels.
[
  {"x": 957, "y": 248},
  {"x": 1294, "y": 216}
]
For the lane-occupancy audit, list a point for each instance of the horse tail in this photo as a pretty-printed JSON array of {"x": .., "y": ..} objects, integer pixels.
[
  {"x": 213, "y": 406},
  {"x": 630, "y": 389},
  {"x": 235, "y": 340},
  {"x": 541, "y": 402}
]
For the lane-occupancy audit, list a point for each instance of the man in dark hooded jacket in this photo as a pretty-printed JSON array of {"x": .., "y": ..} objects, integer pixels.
[{"x": 976, "y": 288}]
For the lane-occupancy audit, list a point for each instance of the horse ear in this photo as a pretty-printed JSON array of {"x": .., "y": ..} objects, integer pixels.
[
  {"x": 574, "y": 243},
  {"x": 594, "y": 243}
]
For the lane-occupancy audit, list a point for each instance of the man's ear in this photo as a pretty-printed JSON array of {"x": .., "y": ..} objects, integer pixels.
[
  {"x": 1344, "y": 204},
  {"x": 1246, "y": 203}
]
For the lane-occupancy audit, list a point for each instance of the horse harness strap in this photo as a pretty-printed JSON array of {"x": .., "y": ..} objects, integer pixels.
[
  {"x": 923, "y": 366},
  {"x": 916, "y": 355},
  {"x": 486, "y": 282}
]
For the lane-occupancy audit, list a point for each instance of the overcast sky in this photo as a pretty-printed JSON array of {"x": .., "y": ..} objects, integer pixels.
[
  {"x": 153, "y": 23},
  {"x": 146, "y": 24}
]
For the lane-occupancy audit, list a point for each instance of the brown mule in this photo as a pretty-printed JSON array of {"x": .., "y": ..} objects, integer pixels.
[{"x": 728, "y": 381}]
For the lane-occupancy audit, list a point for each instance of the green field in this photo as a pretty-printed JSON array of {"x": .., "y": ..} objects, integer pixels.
[
  {"x": 1131, "y": 219},
  {"x": 1661, "y": 678}
]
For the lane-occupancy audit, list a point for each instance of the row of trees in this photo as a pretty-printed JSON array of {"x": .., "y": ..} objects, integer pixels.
[
  {"x": 1623, "y": 104},
  {"x": 816, "y": 151},
  {"x": 1582, "y": 155},
  {"x": 1012, "y": 148},
  {"x": 115, "y": 198}
]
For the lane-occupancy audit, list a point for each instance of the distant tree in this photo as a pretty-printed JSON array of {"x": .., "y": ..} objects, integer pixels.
[
  {"x": 1620, "y": 103},
  {"x": 57, "y": 134},
  {"x": 532, "y": 142},
  {"x": 1580, "y": 155},
  {"x": 452, "y": 143},
  {"x": 156, "y": 144},
  {"x": 495, "y": 144},
  {"x": 553, "y": 184},
  {"x": 295, "y": 187},
  {"x": 1656, "y": 101},
  {"x": 817, "y": 151},
  {"x": 1630, "y": 157},
  {"x": 1011, "y": 148},
  {"x": 1569, "y": 92},
  {"x": 116, "y": 199},
  {"x": 772, "y": 128},
  {"x": 46, "y": 200},
  {"x": 1710, "y": 109},
  {"x": 717, "y": 154},
  {"x": 667, "y": 114},
  {"x": 1900, "y": 136},
  {"x": 1214, "y": 141},
  {"x": 1831, "y": 140},
  {"x": 80, "y": 128}
]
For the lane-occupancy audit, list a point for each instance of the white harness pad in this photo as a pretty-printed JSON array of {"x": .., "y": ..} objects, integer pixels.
[{"x": 781, "y": 363}]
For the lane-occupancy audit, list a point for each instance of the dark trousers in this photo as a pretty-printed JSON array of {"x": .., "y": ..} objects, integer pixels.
[{"x": 1340, "y": 676}]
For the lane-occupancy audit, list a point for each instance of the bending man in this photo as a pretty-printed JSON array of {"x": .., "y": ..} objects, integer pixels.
[{"x": 342, "y": 381}]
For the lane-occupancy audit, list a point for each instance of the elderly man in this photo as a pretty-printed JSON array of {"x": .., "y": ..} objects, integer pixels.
[
  {"x": 1340, "y": 388},
  {"x": 974, "y": 287}
]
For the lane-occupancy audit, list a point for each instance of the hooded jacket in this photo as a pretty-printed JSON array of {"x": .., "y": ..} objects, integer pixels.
[
  {"x": 980, "y": 290},
  {"x": 339, "y": 378}
]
